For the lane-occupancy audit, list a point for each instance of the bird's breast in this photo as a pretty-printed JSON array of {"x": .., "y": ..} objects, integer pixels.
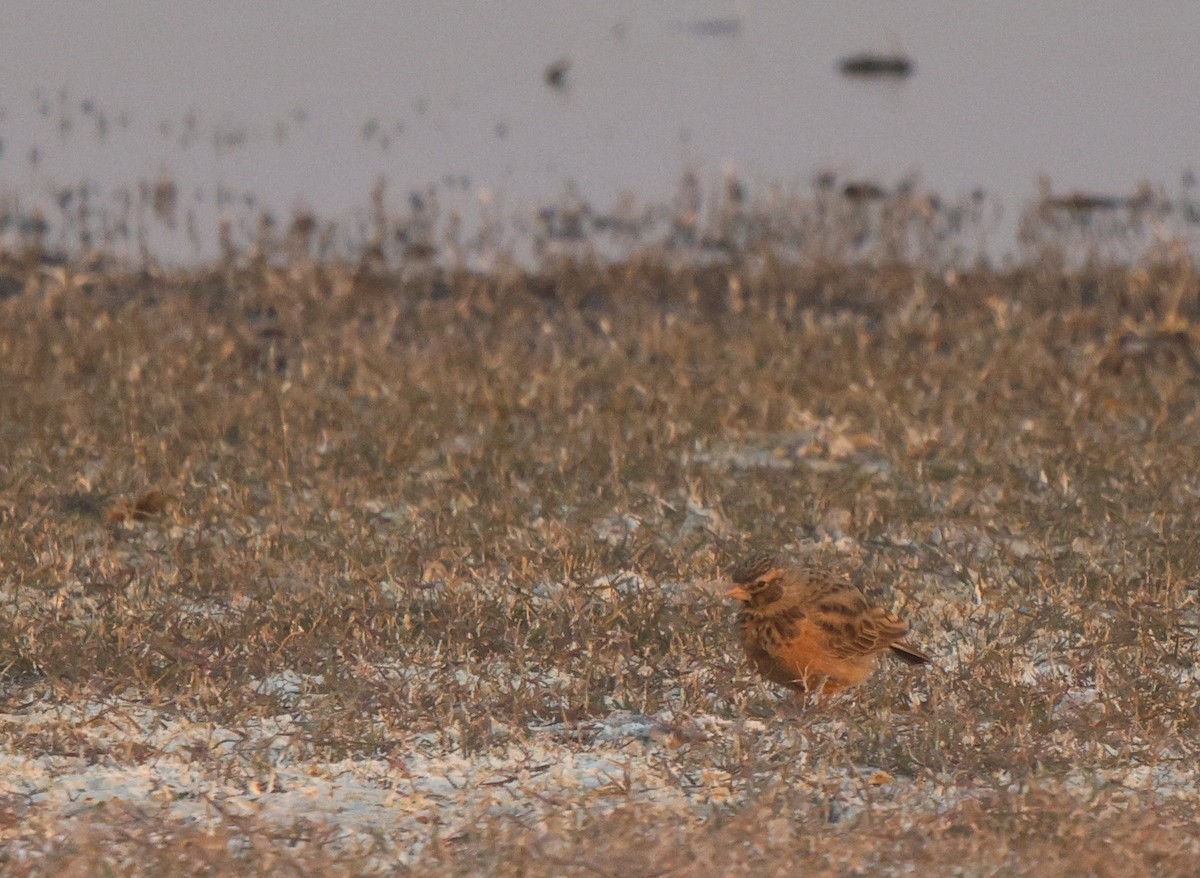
[{"x": 770, "y": 628}]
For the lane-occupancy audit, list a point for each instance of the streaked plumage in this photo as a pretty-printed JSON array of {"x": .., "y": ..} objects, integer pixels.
[{"x": 808, "y": 630}]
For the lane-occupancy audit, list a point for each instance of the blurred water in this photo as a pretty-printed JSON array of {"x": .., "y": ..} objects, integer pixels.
[{"x": 305, "y": 104}]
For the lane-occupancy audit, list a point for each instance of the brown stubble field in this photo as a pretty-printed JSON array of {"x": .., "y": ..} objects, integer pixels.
[{"x": 305, "y": 570}]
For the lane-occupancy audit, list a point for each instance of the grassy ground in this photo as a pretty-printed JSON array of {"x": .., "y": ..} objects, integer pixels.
[{"x": 304, "y": 571}]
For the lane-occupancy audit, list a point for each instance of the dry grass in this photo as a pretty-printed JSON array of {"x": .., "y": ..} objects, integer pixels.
[{"x": 272, "y": 537}]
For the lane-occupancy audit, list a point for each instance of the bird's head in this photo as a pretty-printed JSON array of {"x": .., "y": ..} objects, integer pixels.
[{"x": 756, "y": 580}]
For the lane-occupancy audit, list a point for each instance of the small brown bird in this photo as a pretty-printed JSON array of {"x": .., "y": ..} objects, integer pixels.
[{"x": 810, "y": 631}]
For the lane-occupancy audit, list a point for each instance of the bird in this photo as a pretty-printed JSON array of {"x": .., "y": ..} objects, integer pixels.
[{"x": 812, "y": 631}]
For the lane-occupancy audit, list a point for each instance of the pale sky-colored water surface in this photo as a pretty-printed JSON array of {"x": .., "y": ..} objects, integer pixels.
[{"x": 313, "y": 101}]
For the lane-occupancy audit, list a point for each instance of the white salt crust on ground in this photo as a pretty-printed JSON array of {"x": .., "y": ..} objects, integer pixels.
[{"x": 136, "y": 759}]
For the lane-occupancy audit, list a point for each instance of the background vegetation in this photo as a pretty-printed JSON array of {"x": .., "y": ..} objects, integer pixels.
[{"x": 313, "y": 569}]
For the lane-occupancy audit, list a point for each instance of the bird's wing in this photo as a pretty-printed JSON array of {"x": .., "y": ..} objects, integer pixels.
[{"x": 859, "y": 633}]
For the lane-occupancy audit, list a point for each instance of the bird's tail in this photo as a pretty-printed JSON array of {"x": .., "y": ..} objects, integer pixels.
[{"x": 909, "y": 655}]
